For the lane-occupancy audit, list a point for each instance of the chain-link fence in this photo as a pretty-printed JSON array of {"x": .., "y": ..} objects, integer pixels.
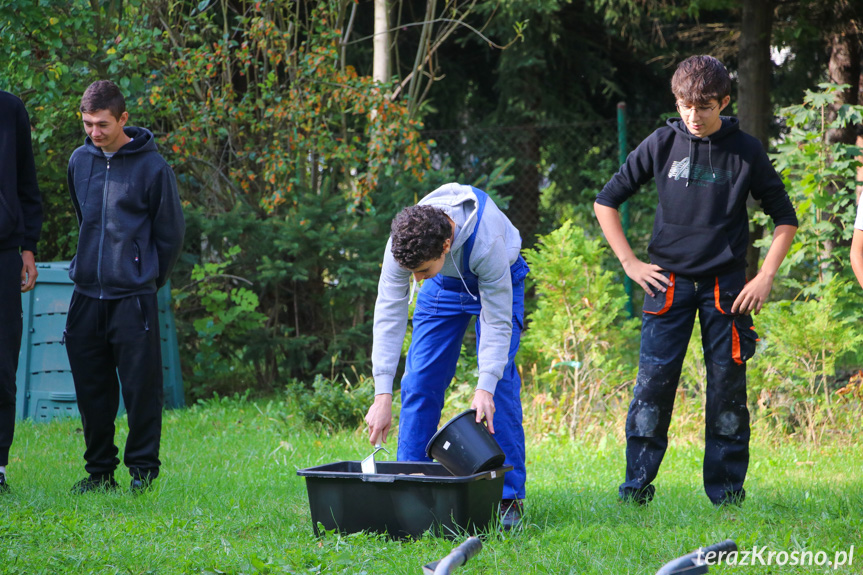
[{"x": 549, "y": 169}]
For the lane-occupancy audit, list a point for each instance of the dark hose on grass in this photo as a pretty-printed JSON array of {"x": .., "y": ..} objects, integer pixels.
[{"x": 456, "y": 558}]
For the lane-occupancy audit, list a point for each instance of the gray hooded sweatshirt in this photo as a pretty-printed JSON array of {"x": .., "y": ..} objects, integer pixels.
[{"x": 496, "y": 248}]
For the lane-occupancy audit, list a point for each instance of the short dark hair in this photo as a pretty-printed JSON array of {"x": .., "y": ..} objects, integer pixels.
[
  {"x": 699, "y": 79},
  {"x": 418, "y": 235},
  {"x": 103, "y": 95}
]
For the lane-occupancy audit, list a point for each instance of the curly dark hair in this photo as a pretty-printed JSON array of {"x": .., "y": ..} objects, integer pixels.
[
  {"x": 699, "y": 79},
  {"x": 418, "y": 234}
]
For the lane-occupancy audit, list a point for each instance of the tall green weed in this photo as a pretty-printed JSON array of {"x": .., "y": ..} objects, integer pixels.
[{"x": 811, "y": 332}]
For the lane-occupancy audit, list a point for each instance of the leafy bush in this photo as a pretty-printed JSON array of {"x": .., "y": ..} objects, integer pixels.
[
  {"x": 794, "y": 375},
  {"x": 579, "y": 336},
  {"x": 811, "y": 339},
  {"x": 331, "y": 403},
  {"x": 228, "y": 318},
  {"x": 820, "y": 177}
]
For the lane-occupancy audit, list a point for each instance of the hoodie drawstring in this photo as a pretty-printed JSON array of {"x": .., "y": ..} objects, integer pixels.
[
  {"x": 460, "y": 277},
  {"x": 414, "y": 283},
  {"x": 689, "y": 169},
  {"x": 710, "y": 158},
  {"x": 413, "y": 289}
]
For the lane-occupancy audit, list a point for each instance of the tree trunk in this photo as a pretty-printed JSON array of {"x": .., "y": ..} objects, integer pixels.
[
  {"x": 523, "y": 209},
  {"x": 381, "y": 44},
  {"x": 844, "y": 68},
  {"x": 753, "y": 93},
  {"x": 753, "y": 89}
]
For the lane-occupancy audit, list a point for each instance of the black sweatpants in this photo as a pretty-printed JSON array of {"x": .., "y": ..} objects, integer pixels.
[
  {"x": 10, "y": 344},
  {"x": 104, "y": 339}
]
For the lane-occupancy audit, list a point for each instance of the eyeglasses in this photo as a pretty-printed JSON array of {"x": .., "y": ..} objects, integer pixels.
[{"x": 684, "y": 109}]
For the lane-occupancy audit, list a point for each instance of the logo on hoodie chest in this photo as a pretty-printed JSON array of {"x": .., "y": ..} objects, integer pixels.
[{"x": 699, "y": 175}]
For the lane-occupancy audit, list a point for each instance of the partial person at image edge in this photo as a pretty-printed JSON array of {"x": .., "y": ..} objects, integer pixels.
[
  {"x": 20, "y": 228},
  {"x": 857, "y": 243},
  {"x": 131, "y": 229},
  {"x": 705, "y": 169}
]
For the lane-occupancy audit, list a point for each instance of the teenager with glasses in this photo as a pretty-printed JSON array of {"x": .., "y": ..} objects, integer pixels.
[{"x": 705, "y": 169}]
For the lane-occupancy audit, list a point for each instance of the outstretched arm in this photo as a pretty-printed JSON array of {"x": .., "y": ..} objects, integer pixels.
[
  {"x": 757, "y": 290},
  {"x": 388, "y": 335},
  {"x": 648, "y": 276}
]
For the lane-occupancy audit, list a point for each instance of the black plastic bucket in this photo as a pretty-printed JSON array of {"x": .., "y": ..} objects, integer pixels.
[{"x": 464, "y": 446}]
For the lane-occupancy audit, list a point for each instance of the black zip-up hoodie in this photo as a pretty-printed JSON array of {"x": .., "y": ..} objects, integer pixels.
[
  {"x": 20, "y": 202},
  {"x": 701, "y": 226},
  {"x": 130, "y": 219}
]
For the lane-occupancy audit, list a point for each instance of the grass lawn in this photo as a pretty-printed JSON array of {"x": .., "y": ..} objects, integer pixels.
[{"x": 229, "y": 501}]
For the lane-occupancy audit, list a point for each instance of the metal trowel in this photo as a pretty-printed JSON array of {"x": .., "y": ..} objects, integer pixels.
[{"x": 367, "y": 465}]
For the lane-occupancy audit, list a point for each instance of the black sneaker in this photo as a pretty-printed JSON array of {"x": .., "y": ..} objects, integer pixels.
[
  {"x": 4, "y": 485},
  {"x": 511, "y": 511},
  {"x": 95, "y": 483},
  {"x": 140, "y": 485}
]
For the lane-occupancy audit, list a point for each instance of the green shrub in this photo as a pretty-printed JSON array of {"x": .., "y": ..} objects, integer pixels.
[
  {"x": 820, "y": 176},
  {"x": 228, "y": 316},
  {"x": 579, "y": 337},
  {"x": 793, "y": 378},
  {"x": 332, "y": 403}
]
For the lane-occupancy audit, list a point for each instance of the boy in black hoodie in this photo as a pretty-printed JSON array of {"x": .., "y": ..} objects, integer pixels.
[
  {"x": 705, "y": 168},
  {"x": 20, "y": 227},
  {"x": 130, "y": 234}
]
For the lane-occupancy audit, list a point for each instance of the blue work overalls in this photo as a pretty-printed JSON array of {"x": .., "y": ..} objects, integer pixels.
[
  {"x": 443, "y": 310},
  {"x": 728, "y": 341}
]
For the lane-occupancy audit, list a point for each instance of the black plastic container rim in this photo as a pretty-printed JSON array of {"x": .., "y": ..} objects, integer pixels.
[{"x": 319, "y": 472}]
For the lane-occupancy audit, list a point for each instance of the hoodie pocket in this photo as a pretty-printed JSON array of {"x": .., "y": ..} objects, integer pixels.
[{"x": 700, "y": 249}]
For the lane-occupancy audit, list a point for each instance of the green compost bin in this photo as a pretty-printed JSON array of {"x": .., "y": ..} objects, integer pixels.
[{"x": 44, "y": 379}]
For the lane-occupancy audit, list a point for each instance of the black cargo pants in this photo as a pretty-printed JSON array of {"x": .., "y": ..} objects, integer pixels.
[{"x": 728, "y": 341}]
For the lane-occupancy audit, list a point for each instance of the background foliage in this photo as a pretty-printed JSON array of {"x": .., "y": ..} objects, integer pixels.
[
  {"x": 291, "y": 163},
  {"x": 580, "y": 340}
]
